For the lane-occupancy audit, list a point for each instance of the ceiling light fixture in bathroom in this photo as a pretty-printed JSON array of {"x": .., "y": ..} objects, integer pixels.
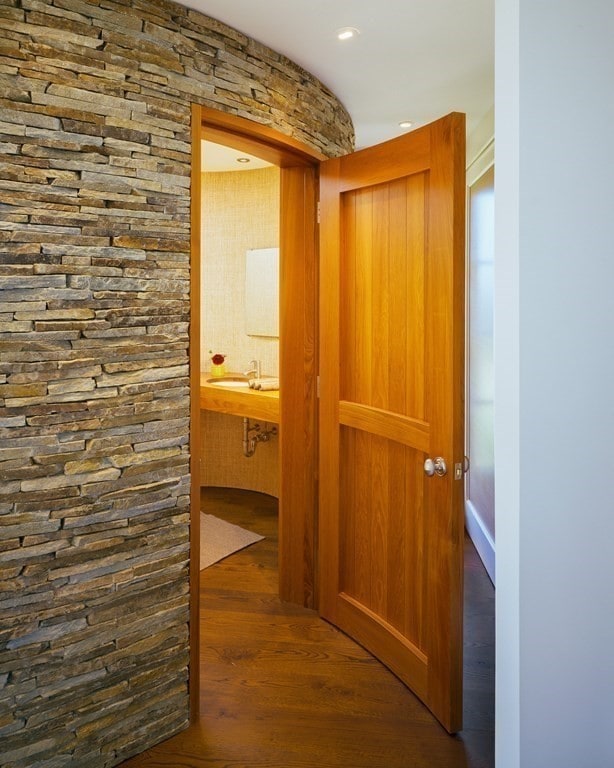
[
  {"x": 346, "y": 33},
  {"x": 405, "y": 124},
  {"x": 243, "y": 160}
]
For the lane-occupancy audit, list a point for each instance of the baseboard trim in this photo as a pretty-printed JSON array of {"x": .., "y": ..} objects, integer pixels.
[{"x": 481, "y": 538}]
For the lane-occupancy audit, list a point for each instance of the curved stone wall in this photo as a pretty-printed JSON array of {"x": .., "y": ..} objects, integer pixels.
[{"x": 94, "y": 394}]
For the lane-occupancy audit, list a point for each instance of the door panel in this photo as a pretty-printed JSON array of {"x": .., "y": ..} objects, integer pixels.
[
  {"x": 391, "y": 367},
  {"x": 381, "y": 523},
  {"x": 382, "y": 287}
]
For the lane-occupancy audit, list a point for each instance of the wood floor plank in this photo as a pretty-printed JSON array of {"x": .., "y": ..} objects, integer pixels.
[{"x": 283, "y": 689}]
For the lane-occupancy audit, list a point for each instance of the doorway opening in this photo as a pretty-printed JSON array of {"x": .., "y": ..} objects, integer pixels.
[
  {"x": 298, "y": 356},
  {"x": 239, "y": 319},
  {"x": 297, "y": 165},
  {"x": 239, "y": 456}
]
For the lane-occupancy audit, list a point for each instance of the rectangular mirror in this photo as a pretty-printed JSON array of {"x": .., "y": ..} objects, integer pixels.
[{"x": 262, "y": 292}]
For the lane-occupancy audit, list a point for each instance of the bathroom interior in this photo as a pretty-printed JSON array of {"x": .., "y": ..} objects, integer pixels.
[{"x": 239, "y": 310}]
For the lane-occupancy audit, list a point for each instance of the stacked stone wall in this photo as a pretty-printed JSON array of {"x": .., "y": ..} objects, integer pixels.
[{"x": 95, "y": 103}]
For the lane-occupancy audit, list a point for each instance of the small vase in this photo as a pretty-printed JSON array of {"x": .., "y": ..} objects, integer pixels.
[{"x": 218, "y": 370}]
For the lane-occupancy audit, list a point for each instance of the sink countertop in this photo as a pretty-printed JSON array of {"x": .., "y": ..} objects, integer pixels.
[{"x": 239, "y": 401}]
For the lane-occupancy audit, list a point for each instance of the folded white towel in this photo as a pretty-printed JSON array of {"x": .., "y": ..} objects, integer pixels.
[{"x": 266, "y": 385}]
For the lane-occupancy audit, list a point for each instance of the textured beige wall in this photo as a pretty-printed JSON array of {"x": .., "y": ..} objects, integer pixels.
[
  {"x": 222, "y": 460},
  {"x": 95, "y": 162},
  {"x": 240, "y": 211}
]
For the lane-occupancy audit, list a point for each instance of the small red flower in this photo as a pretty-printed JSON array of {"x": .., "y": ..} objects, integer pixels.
[{"x": 217, "y": 359}]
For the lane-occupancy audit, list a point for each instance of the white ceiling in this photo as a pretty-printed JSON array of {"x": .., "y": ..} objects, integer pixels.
[
  {"x": 216, "y": 157},
  {"x": 414, "y": 59}
]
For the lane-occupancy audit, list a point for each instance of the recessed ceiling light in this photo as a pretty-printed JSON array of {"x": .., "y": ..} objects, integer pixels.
[
  {"x": 345, "y": 33},
  {"x": 405, "y": 124},
  {"x": 243, "y": 160}
]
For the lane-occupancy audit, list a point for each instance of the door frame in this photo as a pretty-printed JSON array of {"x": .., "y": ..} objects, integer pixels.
[{"x": 299, "y": 165}]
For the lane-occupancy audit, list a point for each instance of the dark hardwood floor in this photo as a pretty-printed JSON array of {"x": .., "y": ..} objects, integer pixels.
[{"x": 280, "y": 688}]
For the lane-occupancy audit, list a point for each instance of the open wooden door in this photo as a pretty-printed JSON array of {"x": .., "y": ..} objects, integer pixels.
[{"x": 391, "y": 399}]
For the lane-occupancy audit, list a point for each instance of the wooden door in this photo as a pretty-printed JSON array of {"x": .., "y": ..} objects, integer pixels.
[{"x": 391, "y": 396}]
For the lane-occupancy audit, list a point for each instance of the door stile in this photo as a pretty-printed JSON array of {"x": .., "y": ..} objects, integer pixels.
[
  {"x": 445, "y": 295},
  {"x": 328, "y": 534}
]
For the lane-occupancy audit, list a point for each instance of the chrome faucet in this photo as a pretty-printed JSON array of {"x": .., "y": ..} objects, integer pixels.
[{"x": 254, "y": 369}]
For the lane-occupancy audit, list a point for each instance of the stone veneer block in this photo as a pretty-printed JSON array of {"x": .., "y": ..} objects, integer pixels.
[{"x": 95, "y": 109}]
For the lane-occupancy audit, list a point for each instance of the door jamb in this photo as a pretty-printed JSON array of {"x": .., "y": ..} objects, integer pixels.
[{"x": 299, "y": 165}]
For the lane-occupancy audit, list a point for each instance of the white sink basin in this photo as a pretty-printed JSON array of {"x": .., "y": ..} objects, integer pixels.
[{"x": 229, "y": 381}]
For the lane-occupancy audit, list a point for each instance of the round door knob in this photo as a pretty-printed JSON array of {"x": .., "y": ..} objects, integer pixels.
[{"x": 435, "y": 466}]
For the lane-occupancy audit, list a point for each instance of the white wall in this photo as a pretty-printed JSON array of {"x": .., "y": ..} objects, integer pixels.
[
  {"x": 554, "y": 379},
  {"x": 480, "y": 480},
  {"x": 480, "y": 138}
]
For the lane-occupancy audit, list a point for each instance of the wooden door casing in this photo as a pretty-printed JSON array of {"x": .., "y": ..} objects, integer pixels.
[
  {"x": 392, "y": 308},
  {"x": 298, "y": 370},
  {"x": 298, "y": 355}
]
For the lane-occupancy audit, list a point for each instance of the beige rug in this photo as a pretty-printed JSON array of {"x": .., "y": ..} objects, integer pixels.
[{"x": 218, "y": 539}]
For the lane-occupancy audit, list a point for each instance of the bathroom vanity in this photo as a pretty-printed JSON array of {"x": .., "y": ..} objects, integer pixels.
[
  {"x": 223, "y": 410},
  {"x": 238, "y": 400}
]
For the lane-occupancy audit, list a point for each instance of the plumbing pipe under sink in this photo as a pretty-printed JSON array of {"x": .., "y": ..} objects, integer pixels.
[{"x": 254, "y": 434}]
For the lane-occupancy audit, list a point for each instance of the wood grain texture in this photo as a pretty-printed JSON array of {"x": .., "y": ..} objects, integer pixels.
[
  {"x": 257, "y": 139},
  {"x": 240, "y": 402},
  {"x": 283, "y": 689},
  {"x": 445, "y": 345},
  {"x": 392, "y": 339},
  {"x": 298, "y": 396},
  {"x": 379, "y": 421},
  {"x": 331, "y": 305},
  {"x": 372, "y": 166}
]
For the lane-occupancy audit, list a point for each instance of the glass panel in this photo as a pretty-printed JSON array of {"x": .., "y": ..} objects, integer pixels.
[{"x": 480, "y": 437}]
